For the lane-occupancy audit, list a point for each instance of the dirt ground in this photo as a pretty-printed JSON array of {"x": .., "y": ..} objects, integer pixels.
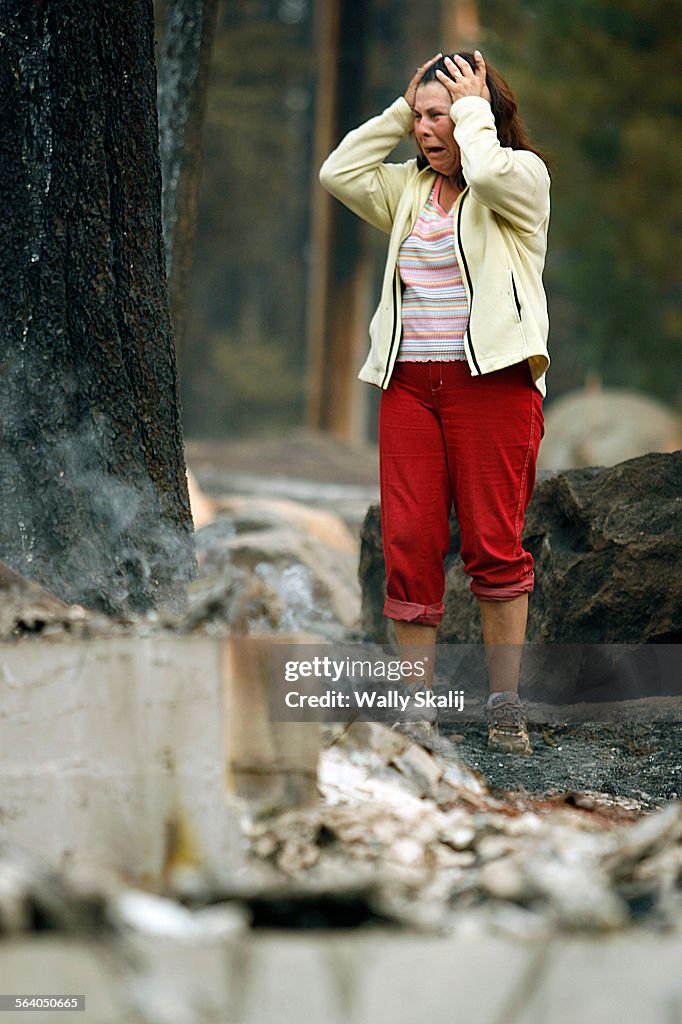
[
  {"x": 300, "y": 465},
  {"x": 296, "y": 454},
  {"x": 639, "y": 762}
]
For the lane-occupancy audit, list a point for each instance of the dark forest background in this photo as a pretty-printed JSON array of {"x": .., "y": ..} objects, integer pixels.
[{"x": 598, "y": 85}]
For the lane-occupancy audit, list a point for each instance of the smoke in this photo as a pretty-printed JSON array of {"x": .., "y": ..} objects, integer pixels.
[{"x": 94, "y": 537}]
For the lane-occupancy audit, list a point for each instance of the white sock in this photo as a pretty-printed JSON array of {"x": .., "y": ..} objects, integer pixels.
[{"x": 496, "y": 693}]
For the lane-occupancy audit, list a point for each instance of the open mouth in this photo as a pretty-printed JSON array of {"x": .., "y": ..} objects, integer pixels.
[{"x": 434, "y": 150}]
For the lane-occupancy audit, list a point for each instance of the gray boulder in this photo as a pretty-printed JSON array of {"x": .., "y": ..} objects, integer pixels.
[
  {"x": 603, "y": 426},
  {"x": 275, "y": 566},
  {"x": 607, "y": 544}
]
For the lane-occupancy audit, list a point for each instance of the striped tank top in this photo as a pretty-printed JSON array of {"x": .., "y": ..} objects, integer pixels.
[{"x": 434, "y": 305}]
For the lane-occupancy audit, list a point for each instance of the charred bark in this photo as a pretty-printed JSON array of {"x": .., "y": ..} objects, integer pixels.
[
  {"x": 93, "y": 493},
  {"x": 189, "y": 29}
]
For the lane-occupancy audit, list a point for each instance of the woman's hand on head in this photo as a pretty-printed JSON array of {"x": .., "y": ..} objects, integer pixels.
[
  {"x": 465, "y": 81},
  {"x": 411, "y": 91}
]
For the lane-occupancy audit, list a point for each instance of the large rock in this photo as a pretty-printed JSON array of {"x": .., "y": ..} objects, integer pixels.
[
  {"x": 275, "y": 565},
  {"x": 608, "y": 550},
  {"x": 607, "y": 545},
  {"x": 601, "y": 427}
]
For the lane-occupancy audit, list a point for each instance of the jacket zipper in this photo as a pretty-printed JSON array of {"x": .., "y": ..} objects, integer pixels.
[
  {"x": 469, "y": 281},
  {"x": 396, "y": 331},
  {"x": 396, "y": 285}
]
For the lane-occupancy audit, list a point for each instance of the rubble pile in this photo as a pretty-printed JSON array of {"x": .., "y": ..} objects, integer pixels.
[
  {"x": 264, "y": 565},
  {"x": 435, "y": 844},
  {"x": 407, "y": 836}
]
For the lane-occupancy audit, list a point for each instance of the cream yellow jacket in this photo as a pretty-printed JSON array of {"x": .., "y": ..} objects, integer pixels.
[{"x": 500, "y": 231}]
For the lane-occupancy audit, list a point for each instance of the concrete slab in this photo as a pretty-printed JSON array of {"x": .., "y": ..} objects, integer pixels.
[
  {"x": 105, "y": 744},
  {"x": 625, "y": 978},
  {"x": 360, "y": 977},
  {"x": 53, "y": 965},
  {"x": 481, "y": 977},
  {"x": 125, "y": 753}
]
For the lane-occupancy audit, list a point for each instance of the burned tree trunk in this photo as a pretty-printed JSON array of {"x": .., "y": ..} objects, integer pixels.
[
  {"x": 189, "y": 29},
  {"x": 93, "y": 494}
]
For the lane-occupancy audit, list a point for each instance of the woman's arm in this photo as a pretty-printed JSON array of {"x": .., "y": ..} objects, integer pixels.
[
  {"x": 356, "y": 173},
  {"x": 512, "y": 182}
]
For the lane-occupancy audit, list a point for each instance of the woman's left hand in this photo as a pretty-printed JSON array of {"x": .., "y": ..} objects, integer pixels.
[{"x": 464, "y": 81}]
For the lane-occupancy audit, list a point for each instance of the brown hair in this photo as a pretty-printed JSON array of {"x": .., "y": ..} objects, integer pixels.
[{"x": 511, "y": 130}]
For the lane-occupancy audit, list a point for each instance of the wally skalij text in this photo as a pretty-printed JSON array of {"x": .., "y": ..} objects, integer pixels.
[
  {"x": 370, "y": 700},
  {"x": 325, "y": 687}
]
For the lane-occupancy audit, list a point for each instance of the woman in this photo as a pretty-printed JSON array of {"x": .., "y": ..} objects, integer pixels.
[{"x": 459, "y": 347}]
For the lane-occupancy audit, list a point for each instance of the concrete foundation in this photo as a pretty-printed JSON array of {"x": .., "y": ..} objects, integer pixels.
[
  {"x": 127, "y": 755},
  {"x": 123, "y": 754},
  {"x": 361, "y": 978}
]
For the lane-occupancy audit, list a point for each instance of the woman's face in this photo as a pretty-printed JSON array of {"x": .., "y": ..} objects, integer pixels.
[{"x": 433, "y": 128}]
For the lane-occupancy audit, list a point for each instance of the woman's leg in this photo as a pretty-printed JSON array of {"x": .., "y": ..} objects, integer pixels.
[
  {"x": 493, "y": 428},
  {"x": 492, "y": 425},
  {"x": 415, "y": 513},
  {"x": 504, "y": 632},
  {"x": 417, "y": 643},
  {"x": 415, "y": 502}
]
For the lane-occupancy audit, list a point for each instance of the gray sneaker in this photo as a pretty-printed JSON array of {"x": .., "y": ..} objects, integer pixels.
[
  {"x": 417, "y": 723},
  {"x": 507, "y": 725}
]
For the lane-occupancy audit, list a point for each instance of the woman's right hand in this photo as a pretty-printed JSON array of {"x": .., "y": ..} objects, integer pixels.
[{"x": 411, "y": 91}]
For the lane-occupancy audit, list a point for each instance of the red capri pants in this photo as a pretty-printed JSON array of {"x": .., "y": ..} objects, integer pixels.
[{"x": 446, "y": 437}]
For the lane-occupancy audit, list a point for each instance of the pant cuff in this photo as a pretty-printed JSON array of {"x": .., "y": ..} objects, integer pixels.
[
  {"x": 506, "y": 592},
  {"x": 405, "y": 611}
]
